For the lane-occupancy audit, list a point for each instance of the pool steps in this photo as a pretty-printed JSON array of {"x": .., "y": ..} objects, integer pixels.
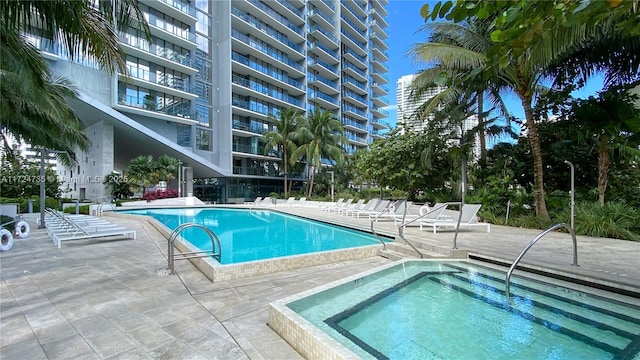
[{"x": 398, "y": 250}]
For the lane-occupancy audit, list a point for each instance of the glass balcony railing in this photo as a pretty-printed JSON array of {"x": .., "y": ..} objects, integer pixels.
[
  {"x": 259, "y": 107},
  {"x": 354, "y": 110},
  {"x": 322, "y": 15},
  {"x": 281, "y": 19},
  {"x": 293, "y": 9},
  {"x": 354, "y": 137},
  {"x": 383, "y": 87},
  {"x": 267, "y": 70},
  {"x": 348, "y": 7},
  {"x": 265, "y": 90},
  {"x": 321, "y": 95},
  {"x": 185, "y": 8},
  {"x": 324, "y": 32},
  {"x": 348, "y": 65},
  {"x": 351, "y": 80},
  {"x": 329, "y": 5},
  {"x": 252, "y": 126},
  {"x": 165, "y": 53},
  {"x": 324, "y": 64},
  {"x": 351, "y": 94},
  {"x": 169, "y": 27},
  {"x": 352, "y": 24},
  {"x": 266, "y": 49},
  {"x": 320, "y": 45},
  {"x": 181, "y": 110},
  {"x": 363, "y": 46},
  {"x": 346, "y": 50},
  {"x": 324, "y": 80},
  {"x": 161, "y": 79},
  {"x": 256, "y": 23},
  {"x": 351, "y": 122},
  {"x": 381, "y": 110}
]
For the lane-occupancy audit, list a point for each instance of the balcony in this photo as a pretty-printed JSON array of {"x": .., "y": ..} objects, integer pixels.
[
  {"x": 379, "y": 42},
  {"x": 380, "y": 89},
  {"x": 380, "y": 16},
  {"x": 358, "y": 113},
  {"x": 328, "y": 86},
  {"x": 268, "y": 73},
  {"x": 324, "y": 68},
  {"x": 351, "y": 96},
  {"x": 353, "y": 84},
  {"x": 320, "y": 17},
  {"x": 320, "y": 49},
  {"x": 174, "y": 34},
  {"x": 379, "y": 77},
  {"x": 358, "y": 11},
  {"x": 145, "y": 106},
  {"x": 380, "y": 65},
  {"x": 281, "y": 21},
  {"x": 357, "y": 35},
  {"x": 377, "y": 28},
  {"x": 259, "y": 88},
  {"x": 350, "y": 122},
  {"x": 260, "y": 48},
  {"x": 329, "y": 7},
  {"x": 176, "y": 9},
  {"x": 161, "y": 82},
  {"x": 321, "y": 34},
  {"x": 353, "y": 56},
  {"x": 252, "y": 126},
  {"x": 352, "y": 70},
  {"x": 251, "y": 23},
  {"x": 252, "y": 106},
  {"x": 352, "y": 42},
  {"x": 326, "y": 101},
  {"x": 379, "y": 101}
]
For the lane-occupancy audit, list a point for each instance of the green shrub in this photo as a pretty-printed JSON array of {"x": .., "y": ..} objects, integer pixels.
[
  {"x": 83, "y": 209},
  {"x": 613, "y": 220}
]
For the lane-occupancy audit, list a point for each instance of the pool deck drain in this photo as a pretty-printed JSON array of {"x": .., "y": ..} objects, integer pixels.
[{"x": 107, "y": 298}]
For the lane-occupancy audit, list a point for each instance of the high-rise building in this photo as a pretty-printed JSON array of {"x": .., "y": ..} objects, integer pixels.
[
  {"x": 203, "y": 89},
  {"x": 408, "y": 103}
]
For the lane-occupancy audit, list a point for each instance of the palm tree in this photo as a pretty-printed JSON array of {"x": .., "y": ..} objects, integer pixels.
[
  {"x": 32, "y": 102},
  {"x": 167, "y": 167},
  {"x": 143, "y": 171},
  {"x": 322, "y": 135},
  {"x": 282, "y": 138}
]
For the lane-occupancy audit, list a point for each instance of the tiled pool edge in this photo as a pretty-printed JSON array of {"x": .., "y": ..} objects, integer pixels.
[
  {"x": 217, "y": 272},
  {"x": 307, "y": 339}
]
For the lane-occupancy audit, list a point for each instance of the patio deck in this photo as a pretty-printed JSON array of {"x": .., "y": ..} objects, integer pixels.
[{"x": 107, "y": 299}]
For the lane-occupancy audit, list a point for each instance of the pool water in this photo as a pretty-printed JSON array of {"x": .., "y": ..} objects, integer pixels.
[
  {"x": 458, "y": 310},
  {"x": 250, "y": 235}
]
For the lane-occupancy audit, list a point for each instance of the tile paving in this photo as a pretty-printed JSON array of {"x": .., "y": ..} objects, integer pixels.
[{"x": 110, "y": 299}]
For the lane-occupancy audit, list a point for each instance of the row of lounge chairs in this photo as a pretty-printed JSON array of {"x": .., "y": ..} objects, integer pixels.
[
  {"x": 269, "y": 201},
  {"x": 435, "y": 217},
  {"x": 63, "y": 227}
]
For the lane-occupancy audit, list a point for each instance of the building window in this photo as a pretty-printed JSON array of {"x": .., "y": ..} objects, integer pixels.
[
  {"x": 203, "y": 139},
  {"x": 184, "y": 135}
]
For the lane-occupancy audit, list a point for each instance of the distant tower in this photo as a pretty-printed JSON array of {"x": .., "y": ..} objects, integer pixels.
[{"x": 407, "y": 105}]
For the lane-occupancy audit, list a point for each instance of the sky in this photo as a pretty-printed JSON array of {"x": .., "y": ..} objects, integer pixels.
[{"x": 404, "y": 22}]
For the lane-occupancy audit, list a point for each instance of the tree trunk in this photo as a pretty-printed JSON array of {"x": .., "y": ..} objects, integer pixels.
[
  {"x": 604, "y": 162},
  {"x": 481, "y": 134},
  {"x": 284, "y": 163},
  {"x": 311, "y": 178},
  {"x": 536, "y": 148}
]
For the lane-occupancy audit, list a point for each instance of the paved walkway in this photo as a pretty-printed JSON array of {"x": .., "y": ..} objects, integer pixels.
[{"x": 110, "y": 299}]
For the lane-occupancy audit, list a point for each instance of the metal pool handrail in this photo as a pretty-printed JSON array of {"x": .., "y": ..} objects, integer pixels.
[
  {"x": 532, "y": 242},
  {"x": 192, "y": 254},
  {"x": 403, "y": 225},
  {"x": 385, "y": 210}
]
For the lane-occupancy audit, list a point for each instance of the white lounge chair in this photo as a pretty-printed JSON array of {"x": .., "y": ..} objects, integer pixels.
[
  {"x": 341, "y": 206},
  {"x": 357, "y": 206},
  {"x": 380, "y": 205},
  {"x": 290, "y": 201},
  {"x": 369, "y": 206},
  {"x": 396, "y": 212},
  {"x": 300, "y": 202},
  {"x": 254, "y": 202},
  {"x": 325, "y": 207},
  {"x": 468, "y": 219},
  {"x": 426, "y": 213},
  {"x": 78, "y": 231}
]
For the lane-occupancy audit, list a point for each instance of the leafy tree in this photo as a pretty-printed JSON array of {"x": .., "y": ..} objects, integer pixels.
[
  {"x": 283, "y": 137},
  {"x": 611, "y": 122},
  {"x": 398, "y": 162},
  {"x": 21, "y": 178},
  {"x": 321, "y": 136}
]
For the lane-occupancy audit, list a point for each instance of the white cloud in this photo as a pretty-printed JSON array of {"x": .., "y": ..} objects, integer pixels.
[{"x": 390, "y": 107}]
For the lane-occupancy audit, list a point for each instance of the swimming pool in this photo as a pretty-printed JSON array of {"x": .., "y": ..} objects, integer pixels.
[
  {"x": 249, "y": 236},
  {"x": 457, "y": 310}
]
